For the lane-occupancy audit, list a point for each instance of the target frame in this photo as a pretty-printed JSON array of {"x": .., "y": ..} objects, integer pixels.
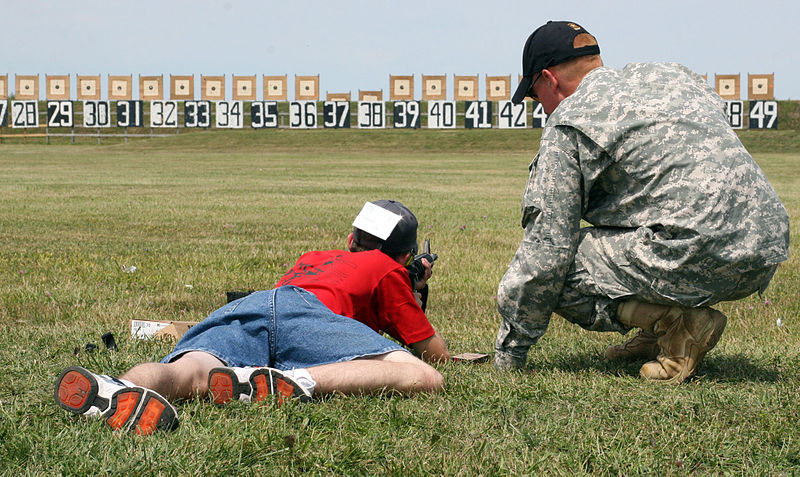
[
  {"x": 434, "y": 87},
  {"x": 26, "y": 88},
  {"x": 57, "y": 87},
  {"x": 151, "y": 88},
  {"x": 498, "y": 88},
  {"x": 181, "y": 87},
  {"x": 306, "y": 87},
  {"x": 88, "y": 87},
  {"x": 275, "y": 87},
  {"x": 465, "y": 87},
  {"x": 761, "y": 86},
  {"x": 244, "y": 87},
  {"x": 401, "y": 87},
  {"x": 728, "y": 87},
  {"x": 120, "y": 87},
  {"x": 212, "y": 87}
]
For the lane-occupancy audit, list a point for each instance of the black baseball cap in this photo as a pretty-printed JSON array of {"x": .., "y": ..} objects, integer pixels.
[
  {"x": 403, "y": 237},
  {"x": 550, "y": 45}
]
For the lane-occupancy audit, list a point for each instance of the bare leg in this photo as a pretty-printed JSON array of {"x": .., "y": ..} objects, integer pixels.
[
  {"x": 183, "y": 378},
  {"x": 393, "y": 371}
]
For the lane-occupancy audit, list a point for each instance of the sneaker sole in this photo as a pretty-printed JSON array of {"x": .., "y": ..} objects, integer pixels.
[
  {"x": 137, "y": 409},
  {"x": 141, "y": 411},
  {"x": 224, "y": 386},
  {"x": 76, "y": 391}
]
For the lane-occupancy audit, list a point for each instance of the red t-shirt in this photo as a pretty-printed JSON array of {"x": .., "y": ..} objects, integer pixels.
[{"x": 367, "y": 286}]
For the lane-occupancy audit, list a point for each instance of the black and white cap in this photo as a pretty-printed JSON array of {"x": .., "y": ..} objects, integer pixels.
[{"x": 386, "y": 225}]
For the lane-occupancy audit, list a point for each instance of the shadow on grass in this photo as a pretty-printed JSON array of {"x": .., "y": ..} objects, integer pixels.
[{"x": 720, "y": 368}]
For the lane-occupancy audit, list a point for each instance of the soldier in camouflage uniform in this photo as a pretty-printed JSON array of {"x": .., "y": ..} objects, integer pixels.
[{"x": 681, "y": 215}]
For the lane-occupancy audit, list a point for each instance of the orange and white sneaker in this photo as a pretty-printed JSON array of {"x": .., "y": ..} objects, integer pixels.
[
  {"x": 254, "y": 384},
  {"x": 125, "y": 407}
]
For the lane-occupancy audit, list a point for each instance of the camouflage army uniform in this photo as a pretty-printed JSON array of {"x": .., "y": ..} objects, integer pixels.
[{"x": 680, "y": 212}]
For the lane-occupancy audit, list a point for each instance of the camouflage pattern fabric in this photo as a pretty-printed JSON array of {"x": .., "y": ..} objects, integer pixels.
[{"x": 680, "y": 212}]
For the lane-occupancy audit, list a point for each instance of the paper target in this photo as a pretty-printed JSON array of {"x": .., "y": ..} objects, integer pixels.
[
  {"x": 337, "y": 97},
  {"x": 212, "y": 88},
  {"x": 275, "y": 88},
  {"x": 129, "y": 114},
  {"x": 3, "y": 86},
  {"x": 25, "y": 114},
  {"x": 96, "y": 114},
  {"x": 498, "y": 88},
  {"x": 401, "y": 88},
  {"x": 727, "y": 86},
  {"x": 151, "y": 88},
  {"x": 27, "y": 88},
  {"x": 434, "y": 87},
  {"x": 370, "y": 95},
  {"x": 264, "y": 114},
  {"x": 59, "y": 114},
  {"x": 57, "y": 88},
  {"x": 761, "y": 87},
  {"x": 120, "y": 88},
  {"x": 477, "y": 114},
  {"x": 3, "y": 113},
  {"x": 336, "y": 114},
  {"x": 763, "y": 115},
  {"x": 181, "y": 87},
  {"x": 466, "y": 88},
  {"x": 244, "y": 88},
  {"x": 406, "y": 114},
  {"x": 88, "y": 87},
  {"x": 306, "y": 88},
  {"x": 197, "y": 114},
  {"x": 441, "y": 114}
]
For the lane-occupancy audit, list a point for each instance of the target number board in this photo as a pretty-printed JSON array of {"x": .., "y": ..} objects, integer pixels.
[
  {"x": 59, "y": 114},
  {"x": 763, "y": 115},
  {"x": 264, "y": 114},
  {"x": 406, "y": 114},
  {"x": 336, "y": 114},
  {"x": 163, "y": 114},
  {"x": 477, "y": 114},
  {"x": 303, "y": 114},
  {"x": 197, "y": 114},
  {"x": 129, "y": 114},
  {"x": 25, "y": 114},
  {"x": 441, "y": 114}
]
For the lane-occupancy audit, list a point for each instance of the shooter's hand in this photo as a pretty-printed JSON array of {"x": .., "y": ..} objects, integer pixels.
[{"x": 428, "y": 272}]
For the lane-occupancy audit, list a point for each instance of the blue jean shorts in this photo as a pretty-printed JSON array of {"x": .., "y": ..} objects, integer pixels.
[{"x": 283, "y": 328}]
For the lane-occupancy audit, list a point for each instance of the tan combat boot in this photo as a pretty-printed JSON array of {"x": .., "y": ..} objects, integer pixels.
[
  {"x": 685, "y": 335},
  {"x": 643, "y": 345}
]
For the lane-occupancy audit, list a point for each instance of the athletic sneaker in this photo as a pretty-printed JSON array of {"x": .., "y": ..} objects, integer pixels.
[
  {"x": 122, "y": 406},
  {"x": 253, "y": 384}
]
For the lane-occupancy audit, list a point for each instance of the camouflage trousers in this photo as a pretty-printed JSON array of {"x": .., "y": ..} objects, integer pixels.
[{"x": 600, "y": 278}]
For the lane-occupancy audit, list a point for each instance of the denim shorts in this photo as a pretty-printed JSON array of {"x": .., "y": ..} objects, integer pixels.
[{"x": 283, "y": 328}]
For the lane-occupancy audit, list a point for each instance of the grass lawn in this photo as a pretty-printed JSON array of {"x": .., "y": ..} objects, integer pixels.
[{"x": 203, "y": 213}]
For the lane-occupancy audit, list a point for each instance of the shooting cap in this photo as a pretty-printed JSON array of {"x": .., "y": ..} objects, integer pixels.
[
  {"x": 551, "y": 44},
  {"x": 386, "y": 225}
]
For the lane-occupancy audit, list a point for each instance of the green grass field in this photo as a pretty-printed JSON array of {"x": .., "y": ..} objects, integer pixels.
[{"x": 203, "y": 213}]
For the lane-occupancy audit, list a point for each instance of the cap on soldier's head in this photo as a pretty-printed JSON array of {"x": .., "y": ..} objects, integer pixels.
[
  {"x": 387, "y": 225},
  {"x": 551, "y": 44}
]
